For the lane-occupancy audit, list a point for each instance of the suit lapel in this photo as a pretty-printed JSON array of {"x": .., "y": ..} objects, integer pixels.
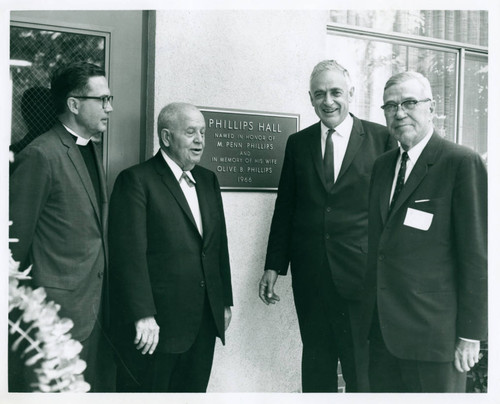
[
  {"x": 356, "y": 138},
  {"x": 203, "y": 190},
  {"x": 97, "y": 147},
  {"x": 386, "y": 178},
  {"x": 418, "y": 172},
  {"x": 168, "y": 178},
  {"x": 77, "y": 160},
  {"x": 315, "y": 151}
]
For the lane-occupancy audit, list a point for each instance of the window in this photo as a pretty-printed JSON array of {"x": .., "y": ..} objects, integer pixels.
[
  {"x": 35, "y": 52},
  {"x": 448, "y": 47}
]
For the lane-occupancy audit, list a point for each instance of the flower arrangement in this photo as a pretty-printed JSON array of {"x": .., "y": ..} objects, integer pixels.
[{"x": 40, "y": 340}]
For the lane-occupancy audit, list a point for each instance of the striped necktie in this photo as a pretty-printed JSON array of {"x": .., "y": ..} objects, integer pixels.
[{"x": 400, "y": 181}]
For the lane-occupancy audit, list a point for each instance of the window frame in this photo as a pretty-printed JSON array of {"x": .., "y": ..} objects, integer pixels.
[
  {"x": 460, "y": 49},
  {"x": 82, "y": 29}
]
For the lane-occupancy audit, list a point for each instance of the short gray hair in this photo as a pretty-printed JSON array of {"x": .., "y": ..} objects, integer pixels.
[
  {"x": 410, "y": 75},
  {"x": 169, "y": 114},
  {"x": 331, "y": 65}
]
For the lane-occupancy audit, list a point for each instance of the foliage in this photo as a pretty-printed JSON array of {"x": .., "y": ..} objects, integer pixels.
[
  {"x": 477, "y": 378},
  {"x": 40, "y": 339}
]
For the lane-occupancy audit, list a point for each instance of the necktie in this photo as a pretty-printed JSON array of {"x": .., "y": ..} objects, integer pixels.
[
  {"x": 400, "y": 181},
  {"x": 328, "y": 160},
  {"x": 186, "y": 178}
]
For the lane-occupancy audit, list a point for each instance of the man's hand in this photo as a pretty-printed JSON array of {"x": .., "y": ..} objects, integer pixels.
[
  {"x": 466, "y": 355},
  {"x": 266, "y": 287},
  {"x": 227, "y": 317},
  {"x": 147, "y": 334}
]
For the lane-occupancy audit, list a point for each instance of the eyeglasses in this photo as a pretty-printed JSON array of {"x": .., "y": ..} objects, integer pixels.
[
  {"x": 105, "y": 99},
  {"x": 408, "y": 105}
]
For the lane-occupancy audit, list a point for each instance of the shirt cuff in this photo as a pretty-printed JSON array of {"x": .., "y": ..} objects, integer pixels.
[{"x": 469, "y": 340}]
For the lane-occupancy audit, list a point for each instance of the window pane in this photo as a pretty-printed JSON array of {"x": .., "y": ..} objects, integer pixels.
[
  {"x": 470, "y": 27},
  {"x": 475, "y": 114},
  {"x": 34, "y": 55},
  {"x": 371, "y": 63}
]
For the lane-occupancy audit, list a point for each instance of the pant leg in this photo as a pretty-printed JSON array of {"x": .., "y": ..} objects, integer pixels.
[
  {"x": 432, "y": 377},
  {"x": 134, "y": 371},
  {"x": 360, "y": 347},
  {"x": 325, "y": 328},
  {"x": 319, "y": 362},
  {"x": 338, "y": 314},
  {"x": 384, "y": 373},
  {"x": 191, "y": 372},
  {"x": 97, "y": 352}
]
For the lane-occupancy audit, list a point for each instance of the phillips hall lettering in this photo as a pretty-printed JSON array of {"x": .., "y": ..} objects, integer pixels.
[
  {"x": 244, "y": 125},
  {"x": 246, "y": 150}
]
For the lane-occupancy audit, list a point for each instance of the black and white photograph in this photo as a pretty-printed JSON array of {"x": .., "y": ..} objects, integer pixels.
[{"x": 250, "y": 202}]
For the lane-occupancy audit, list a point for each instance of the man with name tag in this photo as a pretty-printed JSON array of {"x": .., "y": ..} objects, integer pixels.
[
  {"x": 320, "y": 227},
  {"x": 170, "y": 276},
  {"x": 426, "y": 286}
]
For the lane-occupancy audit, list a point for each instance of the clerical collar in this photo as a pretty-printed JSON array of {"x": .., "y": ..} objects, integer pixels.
[
  {"x": 175, "y": 167},
  {"x": 80, "y": 141}
]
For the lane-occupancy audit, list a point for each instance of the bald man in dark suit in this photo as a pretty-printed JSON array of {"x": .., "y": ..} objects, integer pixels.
[{"x": 170, "y": 274}]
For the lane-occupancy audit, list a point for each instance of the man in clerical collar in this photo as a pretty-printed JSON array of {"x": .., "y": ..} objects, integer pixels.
[{"x": 58, "y": 206}]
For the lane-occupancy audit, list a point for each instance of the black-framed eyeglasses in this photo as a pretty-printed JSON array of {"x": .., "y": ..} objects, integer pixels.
[
  {"x": 104, "y": 99},
  {"x": 408, "y": 105}
]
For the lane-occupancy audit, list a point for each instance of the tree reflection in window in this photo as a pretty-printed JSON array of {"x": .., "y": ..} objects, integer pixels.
[{"x": 34, "y": 55}]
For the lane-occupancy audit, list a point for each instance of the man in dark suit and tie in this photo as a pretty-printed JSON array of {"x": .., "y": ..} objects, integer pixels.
[
  {"x": 320, "y": 227},
  {"x": 427, "y": 253},
  {"x": 170, "y": 275},
  {"x": 58, "y": 206}
]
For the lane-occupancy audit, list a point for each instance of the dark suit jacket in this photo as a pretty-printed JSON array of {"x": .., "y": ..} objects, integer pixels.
[
  {"x": 430, "y": 285},
  {"x": 310, "y": 224},
  {"x": 313, "y": 229},
  {"x": 160, "y": 265},
  {"x": 60, "y": 225}
]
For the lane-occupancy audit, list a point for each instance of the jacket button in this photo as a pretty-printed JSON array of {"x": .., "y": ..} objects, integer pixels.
[
  {"x": 328, "y": 209},
  {"x": 381, "y": 257},
  {"x": 100, "y": 274},
  {"x": 202, "y": 255},
  {"x": 327, "y": 236},
  {"x": 202, "y": 284}
]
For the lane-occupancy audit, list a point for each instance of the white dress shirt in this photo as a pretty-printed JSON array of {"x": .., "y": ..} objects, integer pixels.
[
  {"x": 188, "y": 190},
  {"x": 413, "y": 155},
  {"x": 340, "y": 141}
]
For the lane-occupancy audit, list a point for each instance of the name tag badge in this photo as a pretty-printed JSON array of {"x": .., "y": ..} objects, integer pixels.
[{"x": 418, "y": 219}]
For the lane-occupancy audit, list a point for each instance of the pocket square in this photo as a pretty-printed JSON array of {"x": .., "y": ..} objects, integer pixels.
[{"x": 422, "y": 200}]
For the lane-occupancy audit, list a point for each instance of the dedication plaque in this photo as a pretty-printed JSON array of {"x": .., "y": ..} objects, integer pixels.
[{"x": 246, "y": 148}]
